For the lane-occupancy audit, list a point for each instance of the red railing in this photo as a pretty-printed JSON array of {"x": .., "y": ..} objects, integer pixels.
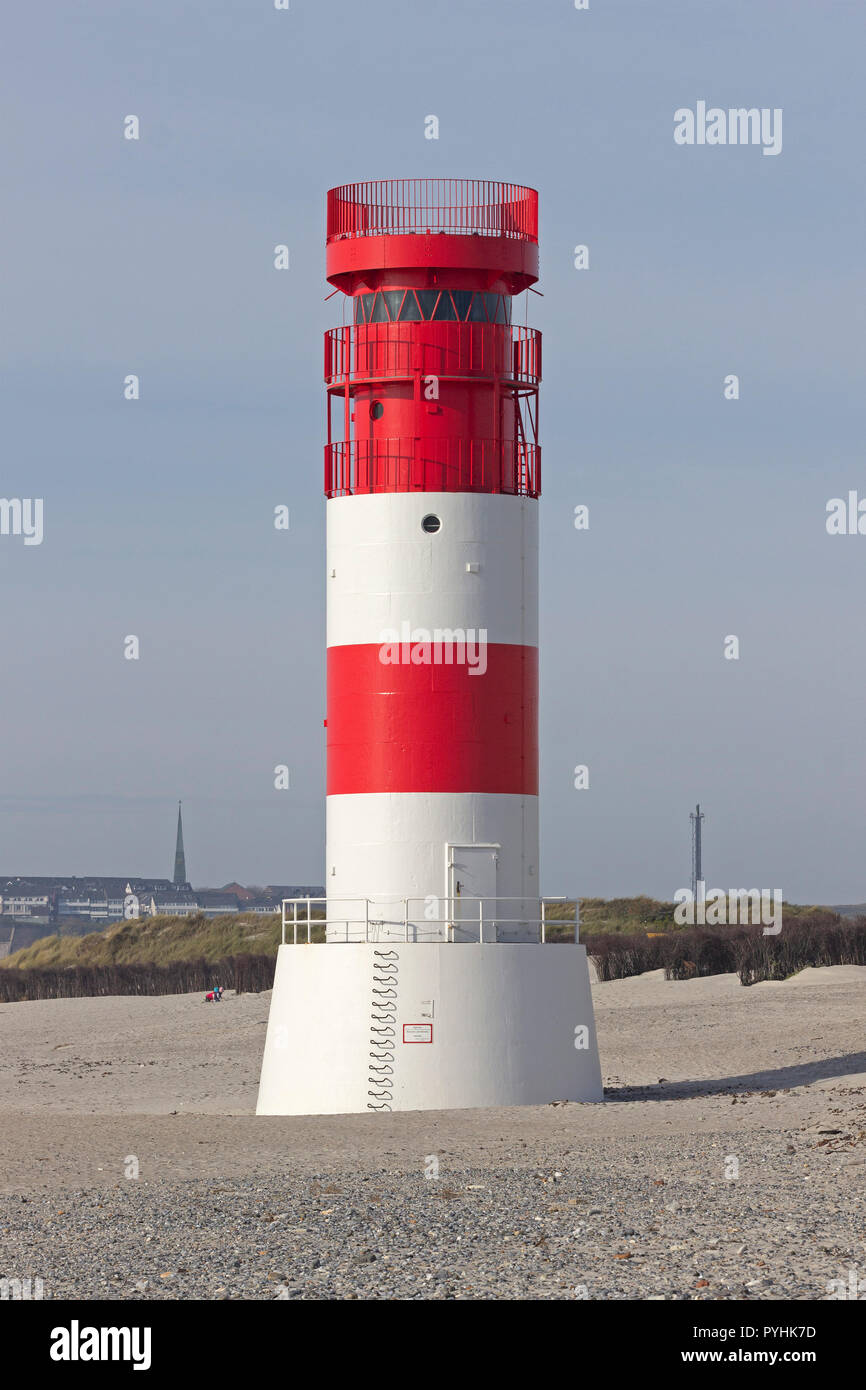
[
  {"x": 447, "y": 464},
  {"x": 369, "y": 351},
  {"x": 463, "y": 207}
]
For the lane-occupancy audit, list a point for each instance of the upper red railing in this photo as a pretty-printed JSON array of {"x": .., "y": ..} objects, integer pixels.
[{"x": 463, "y": 207}]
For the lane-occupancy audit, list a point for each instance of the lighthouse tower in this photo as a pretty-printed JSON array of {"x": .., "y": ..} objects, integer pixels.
[{"x": 435, "y": 986}]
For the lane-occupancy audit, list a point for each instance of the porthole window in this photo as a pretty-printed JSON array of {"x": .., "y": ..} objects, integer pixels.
[
  {"x": 377, "y": 410},
  {"x": 431, "y": 524}
]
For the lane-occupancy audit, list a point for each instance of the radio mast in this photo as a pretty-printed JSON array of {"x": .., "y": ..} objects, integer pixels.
[{"x": 696, "y": 817}]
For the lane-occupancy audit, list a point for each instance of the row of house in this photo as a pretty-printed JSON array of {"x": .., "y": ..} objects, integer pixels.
[{"x": 55, "y": 901}]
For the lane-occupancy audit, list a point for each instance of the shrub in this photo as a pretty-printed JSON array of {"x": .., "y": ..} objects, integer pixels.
[
  {"x": 817, "y": 937},
  {"x": 247, "y": 974}
]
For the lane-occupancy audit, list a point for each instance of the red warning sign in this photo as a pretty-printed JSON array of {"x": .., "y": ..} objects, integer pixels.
[{"x": 417, "y": 1032}]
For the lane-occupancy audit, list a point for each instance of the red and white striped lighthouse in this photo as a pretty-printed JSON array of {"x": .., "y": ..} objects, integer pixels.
[
  {"x": 433, "y": 548},
  {"x": 432, "y": 474}
]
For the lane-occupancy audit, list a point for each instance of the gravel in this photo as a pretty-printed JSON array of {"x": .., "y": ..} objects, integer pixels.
[
  {"x": 629, "y": 1219},
  {"x": 727, "y": 1162}
]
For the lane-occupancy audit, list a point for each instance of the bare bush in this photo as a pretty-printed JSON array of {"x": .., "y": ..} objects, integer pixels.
[
  {"x": 247, "y": 974},
  {"x": 812, "y": 939}
]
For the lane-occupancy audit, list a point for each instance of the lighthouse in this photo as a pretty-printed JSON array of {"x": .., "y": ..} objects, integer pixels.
[{"x": 436, "y": 985}]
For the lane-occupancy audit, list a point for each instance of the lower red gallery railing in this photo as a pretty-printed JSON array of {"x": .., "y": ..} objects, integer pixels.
[
  {"x": 447, "y": 464},
  {"x": 361, "y": 351}
]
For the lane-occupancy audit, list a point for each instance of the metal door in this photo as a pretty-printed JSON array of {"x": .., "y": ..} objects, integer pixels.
[{"x": 472, "y": 891}]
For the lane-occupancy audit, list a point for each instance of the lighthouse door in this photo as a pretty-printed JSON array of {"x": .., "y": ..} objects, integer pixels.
[{"x": 472, "y": 906}]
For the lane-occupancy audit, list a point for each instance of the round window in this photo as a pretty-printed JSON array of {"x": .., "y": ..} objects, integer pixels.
[
  {"x": 430, "y": 524},
  {"x": 377, "y": 410}
]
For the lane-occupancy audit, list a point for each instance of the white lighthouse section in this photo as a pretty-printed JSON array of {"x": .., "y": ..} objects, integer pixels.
[
  {"x": 479, "y": 570},
  {"x": 476, "y": 576},
  {"x": 420, "y": 846}
]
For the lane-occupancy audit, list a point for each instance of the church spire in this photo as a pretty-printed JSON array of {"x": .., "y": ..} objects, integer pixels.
[{"x": 179, "y": 857}]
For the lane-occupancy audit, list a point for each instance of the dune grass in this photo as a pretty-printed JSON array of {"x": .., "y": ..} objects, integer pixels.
[
  {"x": 164, "y": 940},
  {"x": 155, "y": 941}
]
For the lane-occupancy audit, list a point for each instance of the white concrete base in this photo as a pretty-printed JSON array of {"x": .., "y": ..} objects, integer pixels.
[{"x": 350, "y": 1028}]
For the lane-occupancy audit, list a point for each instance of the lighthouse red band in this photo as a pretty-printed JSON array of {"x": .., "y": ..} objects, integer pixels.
[
  {"x": 432, "y": 474},
  {"x": 433, "y": 727}
]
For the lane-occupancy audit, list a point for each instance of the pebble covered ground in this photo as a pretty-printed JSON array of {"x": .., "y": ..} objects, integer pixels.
[
  {"x": 727, "y": 1162},
  {"x": 630, "y": 1219}
]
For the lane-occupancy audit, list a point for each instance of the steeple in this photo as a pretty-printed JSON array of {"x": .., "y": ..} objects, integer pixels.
[{"x": 179, "y": 857}]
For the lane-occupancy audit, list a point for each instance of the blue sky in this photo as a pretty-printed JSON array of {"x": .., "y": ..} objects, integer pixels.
[{"x": 706, "y": 516}]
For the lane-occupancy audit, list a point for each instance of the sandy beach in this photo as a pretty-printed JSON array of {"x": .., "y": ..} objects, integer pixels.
[{"x": 728, "y": 1159}]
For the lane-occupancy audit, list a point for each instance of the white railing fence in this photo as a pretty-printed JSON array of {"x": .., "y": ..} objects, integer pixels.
[{"x": 430, "y": 919}]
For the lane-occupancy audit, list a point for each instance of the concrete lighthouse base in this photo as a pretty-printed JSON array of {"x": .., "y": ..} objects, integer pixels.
[{"x": 428, "y": 1026}]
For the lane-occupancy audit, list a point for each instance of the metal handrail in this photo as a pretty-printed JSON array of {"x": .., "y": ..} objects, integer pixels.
[
  {"x": 442, "y": 463},
  {"x": 464, "y": 207},
  {"x": 406, "y": 922},
  {"x": 370, "y": 351}
]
